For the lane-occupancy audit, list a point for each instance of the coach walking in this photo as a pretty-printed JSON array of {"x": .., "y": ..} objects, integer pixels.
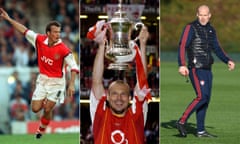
[{"x": 198, "y": 40}]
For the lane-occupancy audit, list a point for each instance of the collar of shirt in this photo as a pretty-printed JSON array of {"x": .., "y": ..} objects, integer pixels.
[{"x": 46, "y": 41}]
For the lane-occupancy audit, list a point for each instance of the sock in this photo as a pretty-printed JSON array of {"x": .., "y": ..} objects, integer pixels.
[
  {"x": 181, "y": 121},
  {"x": 43, "y": 124}
]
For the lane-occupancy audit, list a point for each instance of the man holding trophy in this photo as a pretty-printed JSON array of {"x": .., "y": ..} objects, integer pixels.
[{"x": 115, "y": 120}]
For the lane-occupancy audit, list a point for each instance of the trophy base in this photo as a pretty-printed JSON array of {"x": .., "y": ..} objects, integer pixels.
[{"x": 118, "y": 66}]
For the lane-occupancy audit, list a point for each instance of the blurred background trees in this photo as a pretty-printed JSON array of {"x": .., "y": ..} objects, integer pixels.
[{"x": 175, "y": 14}]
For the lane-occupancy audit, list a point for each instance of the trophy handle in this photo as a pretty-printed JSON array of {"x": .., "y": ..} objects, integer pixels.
[
  {"x": 138, "y": 25},
  {"x": 136, "y": 28}
]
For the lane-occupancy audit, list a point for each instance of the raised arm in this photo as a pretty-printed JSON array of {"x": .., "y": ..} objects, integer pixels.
[
  {"x": 18, "y": 26},
  {"x": 98, "y": 68},
  {"x": 143, "y": 37}
]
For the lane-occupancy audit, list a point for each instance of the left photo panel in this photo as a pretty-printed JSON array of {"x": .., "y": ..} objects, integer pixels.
[{"x": 39, "y": 71}]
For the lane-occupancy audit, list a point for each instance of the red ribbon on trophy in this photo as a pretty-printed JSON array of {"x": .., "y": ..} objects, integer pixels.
[{"x": 141, "y": 76}]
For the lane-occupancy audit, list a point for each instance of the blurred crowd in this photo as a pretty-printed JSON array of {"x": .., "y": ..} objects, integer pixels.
[{"x": 15, "y": 51}]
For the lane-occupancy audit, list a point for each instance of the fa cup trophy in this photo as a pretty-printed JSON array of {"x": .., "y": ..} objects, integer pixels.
[{"x": 118, "y": 49}]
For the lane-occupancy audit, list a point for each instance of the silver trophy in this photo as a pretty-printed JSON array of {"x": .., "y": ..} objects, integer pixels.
[{"x": 118, "y": 49}]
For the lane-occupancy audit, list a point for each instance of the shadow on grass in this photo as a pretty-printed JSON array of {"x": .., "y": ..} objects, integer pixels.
[{"x": 190, "y": 127}]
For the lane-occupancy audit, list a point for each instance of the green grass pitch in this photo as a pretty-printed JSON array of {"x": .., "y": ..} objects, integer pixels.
[
  {"x": 72, "y": 138},
  {"x": 223, "y": 116}
]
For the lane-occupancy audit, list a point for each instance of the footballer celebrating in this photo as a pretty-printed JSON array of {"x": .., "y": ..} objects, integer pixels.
[{"x": 53, "y": 58}]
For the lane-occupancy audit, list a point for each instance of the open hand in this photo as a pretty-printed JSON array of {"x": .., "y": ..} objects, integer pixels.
[{"x": 3, "y": 14}]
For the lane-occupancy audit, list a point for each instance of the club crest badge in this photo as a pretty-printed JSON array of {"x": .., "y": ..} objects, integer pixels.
[
  {"x": 56, "y": 56},
  {"x": 202, "y": 82}
]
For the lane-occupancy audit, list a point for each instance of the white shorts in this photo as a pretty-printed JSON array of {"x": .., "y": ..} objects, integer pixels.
[{"x": 50, "y": 88}]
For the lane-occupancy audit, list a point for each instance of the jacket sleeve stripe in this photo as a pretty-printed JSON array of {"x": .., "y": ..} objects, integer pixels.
[{"x": 183, "y": 45}]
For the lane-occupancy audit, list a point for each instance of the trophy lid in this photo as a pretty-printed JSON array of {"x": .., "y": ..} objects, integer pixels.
[{"x": 120, "y": 15}]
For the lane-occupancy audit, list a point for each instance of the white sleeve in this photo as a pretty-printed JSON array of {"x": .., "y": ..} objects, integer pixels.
[
  {"x": 93, "y": 105},
  {"x": 144, "y": 108},
  {"x": 71, "y": 62},
  {"x": 145, "y": 111},
  {"x": 31, "y": 36}
]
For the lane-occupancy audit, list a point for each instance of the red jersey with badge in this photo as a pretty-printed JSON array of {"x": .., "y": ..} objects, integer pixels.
[
  {"x": 112, "y": 129},
  {"x": 50, "y": 59}
]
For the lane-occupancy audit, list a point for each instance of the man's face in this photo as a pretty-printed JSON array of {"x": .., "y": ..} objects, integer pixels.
[
  {"x": 203, "y": 15},
  {"x": 54, "y": 34},
  {"x": 119, "y": 98}
]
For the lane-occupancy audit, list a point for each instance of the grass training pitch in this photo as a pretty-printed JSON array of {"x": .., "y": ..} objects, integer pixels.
[{"x": 223, "y": 114}]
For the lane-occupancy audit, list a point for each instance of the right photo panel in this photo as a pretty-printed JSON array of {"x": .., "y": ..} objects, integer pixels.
[{"x": 199, "y": 71}]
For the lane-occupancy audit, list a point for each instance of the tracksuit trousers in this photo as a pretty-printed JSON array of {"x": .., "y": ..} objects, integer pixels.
[{"x": 201, "y": 80}]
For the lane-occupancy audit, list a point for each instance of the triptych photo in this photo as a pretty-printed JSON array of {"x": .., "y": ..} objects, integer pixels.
[{"x": 119, "y": 71}]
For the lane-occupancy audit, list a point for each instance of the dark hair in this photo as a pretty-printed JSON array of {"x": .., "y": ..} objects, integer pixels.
[{"x": 52, "y": 23}]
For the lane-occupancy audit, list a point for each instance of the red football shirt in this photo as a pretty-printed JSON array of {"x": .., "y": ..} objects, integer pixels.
[
  {"x": 51, "y": 59},
  {"x": 112, "y": 129}
]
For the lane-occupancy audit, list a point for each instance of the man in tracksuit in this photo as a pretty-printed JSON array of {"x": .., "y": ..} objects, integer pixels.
[{"x": 198, "y": 40}]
